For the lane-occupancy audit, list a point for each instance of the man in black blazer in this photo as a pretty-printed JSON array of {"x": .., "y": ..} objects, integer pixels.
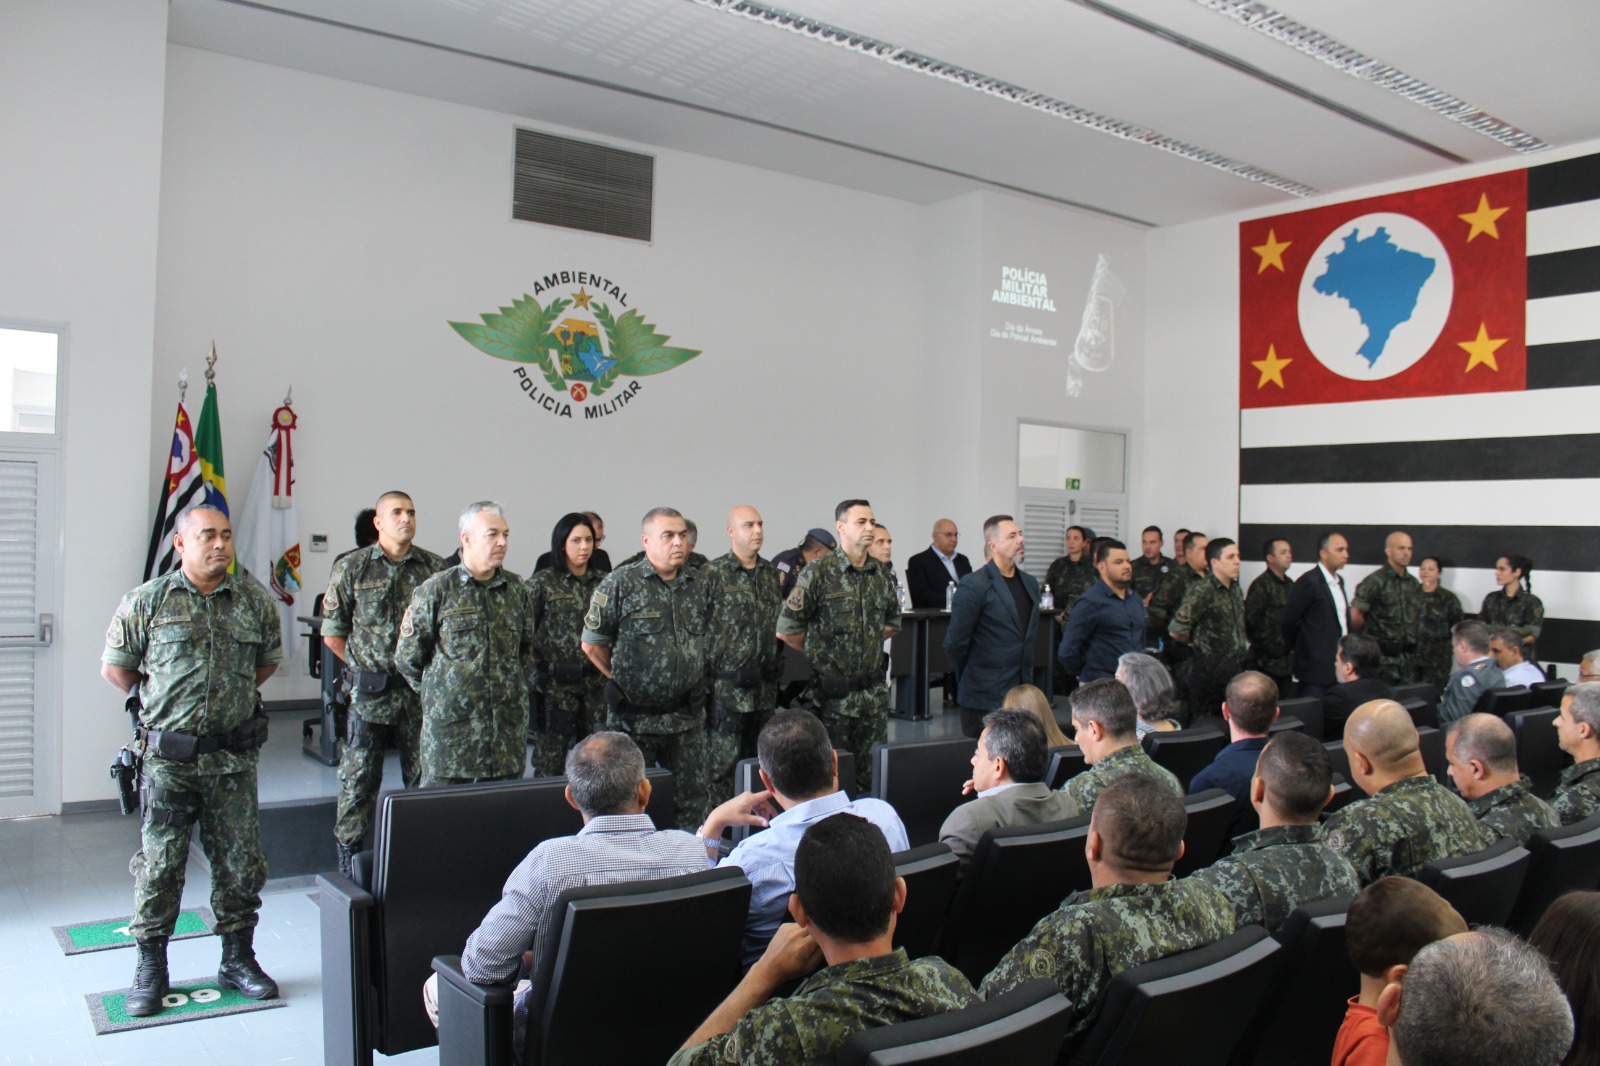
[
  {"x": 928, "y": 573},
  {"x": 993, "y": 626},
  {"x": 1359, "y": 667},
  {"x": 1316, "y": 615}
]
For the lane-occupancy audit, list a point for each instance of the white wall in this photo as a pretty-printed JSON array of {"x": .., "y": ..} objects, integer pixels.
[{"x": 80, "y": 118}]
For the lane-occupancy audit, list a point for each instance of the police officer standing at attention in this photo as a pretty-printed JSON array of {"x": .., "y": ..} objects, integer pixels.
[
  {"x": 646, "y": 631},
  {"x": 838, "y": 615},
  {"x": 1263, "y": 615},
  {"x": 1387, "y": 607},
  {"x": 789, "y": 562},
  {"x": 465, "y": 644},
  {"x": 744, "y": 657},
  {"x": 197, "y": 642},
  {"x": 570, "y": 693},
  {"x": 1149, "y": 570},
  {"x": 368, "y": 592}
]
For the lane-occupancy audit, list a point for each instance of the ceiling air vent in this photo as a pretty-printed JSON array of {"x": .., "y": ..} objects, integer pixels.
[{"x": 584, "y": 186}]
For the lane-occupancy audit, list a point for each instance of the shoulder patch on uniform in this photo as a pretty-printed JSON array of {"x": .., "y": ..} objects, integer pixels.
[
  {"x": 330, "y": 599},
  {"x": 599, "y": 599},
  {"x": 115, "y": 637},
  {"x": 1336, "y": 840},
  {"x": 1164, "y": 568},
  {"x": 797, "y": 598},
  {"x": 1467, "y": 681},
  {"x": 406, "y": 628}
]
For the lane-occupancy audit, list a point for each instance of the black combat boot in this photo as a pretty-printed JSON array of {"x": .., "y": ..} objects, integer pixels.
[
  {"x": 347, "y": 858},
  {"x": 239, "y": 968},
  {"x": 149, "y": 979}
]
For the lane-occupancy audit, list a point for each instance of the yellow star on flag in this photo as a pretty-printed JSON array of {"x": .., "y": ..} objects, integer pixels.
[
  {"x": 1271, "y": 253},
  {"x": 1272, "y": 367},
  {"x": 1483, "y": 219},
  {"x": 582, "y": 299},
  {"x": 1482, "y": 349}
]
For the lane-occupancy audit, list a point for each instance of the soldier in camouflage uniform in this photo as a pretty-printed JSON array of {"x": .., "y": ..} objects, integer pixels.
[
  {"x": 1073, "y": 573},
  {"x": 744, "y": 655},
  {"x": 465, "y": 644},
  {"x": 197, "y": 642},
  {"x": 1170, "y": 593},
  {"x": 1438, "y": 610},
  {"x": 646, "y": 631},
  {"x": 1513, "y": 605},
  {"x": 1211, "y": 617},
  {"x": 1137, "y": 915},
  {"x": 1149, "y": 570},
  {"x": 1387, "y": 607},
  {"x": 691, "y": 558},
  {"x": 569, "y": 692},
  {"x": 1263, "y": 615},
  {"x": 1482, "y": 753},
  {"x": 846, "y": 893},
  {"x": 1408, "y": 819},
  {"x": 1578, "y": 731},
  {"x": 1284, "y": 864},
  {"x": 1105, "y": 726},
  {"x": 842, "y": 608},
  {"x": 368, "y": 592}
]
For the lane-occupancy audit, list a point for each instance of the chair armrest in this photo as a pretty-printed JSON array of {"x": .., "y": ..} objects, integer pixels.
[
  {"x": 475, "y": 1021},
  {"x": 346, "y": 912}
]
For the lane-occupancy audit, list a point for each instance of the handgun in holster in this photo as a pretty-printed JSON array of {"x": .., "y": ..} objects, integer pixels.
[{"x": 128, "y": 764}]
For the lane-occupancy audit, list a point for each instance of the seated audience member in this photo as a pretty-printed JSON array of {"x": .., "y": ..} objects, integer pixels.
[
  {"x": 1250, "y": 706},
  {"x": 800, "y": 774},
  {"x": 1408, "y": 819},
  {"x": 1578, "y": 732},
  {"x": 1358, "y": 666},
  {"x": 1008, "y": 776},
  {"x": 1032, "y": 699},
  {"x": 1388, "y": 923},
  {"x": 1477, "y": 999},
  {"x": 618, "y": 842},
  {"x": 1155, "y": 696},
  {"x": 1476, "y": 673},
  {"x": 1569, "y": 936},
  {"x": 1482, "y": 753},
  {"x": 846, "y": 896},
  {"x": 1506, "y": 647},
  {"x": 1103, "y": 724},
  {"x": 1134, "y": 914},
  {"x": 1284, "y": 864}
]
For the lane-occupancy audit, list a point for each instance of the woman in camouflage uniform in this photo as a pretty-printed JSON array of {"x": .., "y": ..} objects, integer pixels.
[
  {"x": 570, "y": 693},
  {"x": 1513, "y": 605},
  {"x": 1439, "y": 611}
]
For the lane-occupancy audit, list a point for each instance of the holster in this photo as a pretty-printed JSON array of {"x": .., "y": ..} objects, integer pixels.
[
  {"x": 724, "y": 719},
  {"x": 556, "y": 719},
  {"x": 177, "y": 817},
  {"x": 372, "y": 682},
  {"x": 838, "y": 686},
  {"x": 744, "y": 677},
  {"x": 365, "y": 734},
  {"x": 187, "y": 747},
  {"x": 126, "y": 769}
]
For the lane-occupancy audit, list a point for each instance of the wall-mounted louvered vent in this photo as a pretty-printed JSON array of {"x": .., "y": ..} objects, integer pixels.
[{"x": 584, "y": 186}]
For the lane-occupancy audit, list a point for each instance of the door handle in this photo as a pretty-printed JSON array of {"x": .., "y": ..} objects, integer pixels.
[{"x": 47, "y": 630}]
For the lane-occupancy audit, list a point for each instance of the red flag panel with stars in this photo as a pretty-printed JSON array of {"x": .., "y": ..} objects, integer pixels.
[{"x": 1418, "y": 293}]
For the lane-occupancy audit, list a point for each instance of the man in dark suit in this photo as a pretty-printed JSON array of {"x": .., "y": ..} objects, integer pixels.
[
  {"x": 993, "y": 625},
  {"x": 929, "y": 573},
  {"x": 1316, "y": 615},
  {"x": 1359, "y": 668}
]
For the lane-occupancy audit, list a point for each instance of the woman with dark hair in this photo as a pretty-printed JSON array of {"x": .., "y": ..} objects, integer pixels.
[
  {"x": 1437, "y": 614},
  {"x": 1569, "y": 936},
  {"x": 570, "y": 701},
  {"x": 1513, "y": 605}
]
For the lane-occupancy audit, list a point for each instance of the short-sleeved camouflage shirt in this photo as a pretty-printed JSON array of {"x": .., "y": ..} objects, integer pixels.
[
  {"x": 656, "y": 631},
  {"x": 198, "y": 654},
  {"x": 1513, "y": 811},
  {"x": 1272, "y": 871},
  {"x": 368, "y": 594},
  {"x": 742, "y": 624},
  {"x": 843, "y": 610},
  {"x": 559, "y": 599},
  {"x": 1392, "y": 601},
  {"x": 1578, "y": 795},
  {"x": 1401, "y": 828},
  {"x": 1087, "y": 786}
]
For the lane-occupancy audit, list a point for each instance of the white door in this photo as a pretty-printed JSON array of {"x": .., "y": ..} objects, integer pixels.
[{"x": 30, "y": 672}]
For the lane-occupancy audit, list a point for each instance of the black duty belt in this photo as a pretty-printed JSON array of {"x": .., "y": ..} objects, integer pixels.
[
  {"x": 619, "y": 702},
  {"x": 567, "y": 673},
  {"x": 837, "y": 686},
  {"x": 372, "y": 682}
]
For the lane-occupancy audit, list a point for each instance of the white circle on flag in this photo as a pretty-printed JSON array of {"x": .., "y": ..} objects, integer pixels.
[{"x": 1372, "y": 304}]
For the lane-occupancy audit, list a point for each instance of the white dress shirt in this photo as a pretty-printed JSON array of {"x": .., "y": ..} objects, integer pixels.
[{"x": 1341, "y": 603}]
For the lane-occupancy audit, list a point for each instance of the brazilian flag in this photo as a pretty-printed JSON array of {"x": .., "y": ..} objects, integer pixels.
[{"x": 208, "y": 449}]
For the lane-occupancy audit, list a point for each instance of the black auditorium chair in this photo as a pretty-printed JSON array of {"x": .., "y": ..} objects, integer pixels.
[
  {"x": 1024, "y": 1027},
  {"x": 931, "y": 872},
  {"x": 1287, "y": 725},
  {"x": 1066, "y": 762},
  {"x": 745, "y": 779},
  {"x": 1502, "y": 701},
  {"x": 1563, "y": 860},
  {"x": 1189, "y": 1009},
  {"x": 1205, "y": 837},
  {"x": 1344, "y": 794},
  {"x": 440, "y": 859},
  {"x": 922, "y": 782},
  {"x": 1309, "y": 710},
  {"x": 676, "y": 940},
  {"x": 1539, "y": 754},
  {"x": 1548, "y": 693},
  {"x": 1185, "y": 752},
  {"x": 1340, "y": 760},
  {"x": 1303, "y": 1011},
  {"x": 1430, "y": 742},
  {"x": 1423, "y": 691},
  {"x": 1423, "y": 714},
  {"x": 1018, "y": 874},
  {"x": 1484, "y": 886}
]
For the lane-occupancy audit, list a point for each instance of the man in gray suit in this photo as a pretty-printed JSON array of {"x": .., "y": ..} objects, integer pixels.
[
  {"x": 1008, "y": 777},
  {"x": 993, "y": 623}
]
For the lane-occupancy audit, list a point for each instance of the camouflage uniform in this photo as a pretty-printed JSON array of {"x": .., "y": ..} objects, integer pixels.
[
  {"x": 657, "y": 634},
  {"x": 1523, "y": 613},
  {"x": 198, "y": 654},
  {"x": 744, "y": 660},
  {"x": 1087, "y": 786},
  {"x": 1212, "y": 617},
  {"x": 1578, "y": 794},
  {"x": 465, "y": 646},
  {"x": 1392, "y": 601},
  {"x": 812, "y": 1023},
  {"x": 1169, "y": 594},
  {"x": 1147, "y": 577},
  {"x": 570, "y": 692},
  {"x": 1513, "y": 811},
  {"x": 1096, "y": 935},
  {"x": 1272, "y": 871},
  {"x": 1263, "y": 628},
  {"x": 367, "y": 594},
  {"x": 1437, "y": 613},
  {"x": 843, "y": 610},
  {"x": 1068, "y": 580},
  {"x": 1401, "y": 828},
  {"x": 694, "y": 559}
]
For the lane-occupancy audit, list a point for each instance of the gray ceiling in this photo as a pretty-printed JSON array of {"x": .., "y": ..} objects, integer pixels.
[{"x": 687, "y": 75}]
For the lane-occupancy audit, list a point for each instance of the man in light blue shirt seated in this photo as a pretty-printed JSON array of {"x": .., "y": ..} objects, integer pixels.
[
  {"x": 800, "y": 772},
  {"x": 1506, "y": 647}
]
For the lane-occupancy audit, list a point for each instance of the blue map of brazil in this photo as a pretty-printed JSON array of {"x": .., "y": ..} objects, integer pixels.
[{"x": 1379, "y": 280}]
